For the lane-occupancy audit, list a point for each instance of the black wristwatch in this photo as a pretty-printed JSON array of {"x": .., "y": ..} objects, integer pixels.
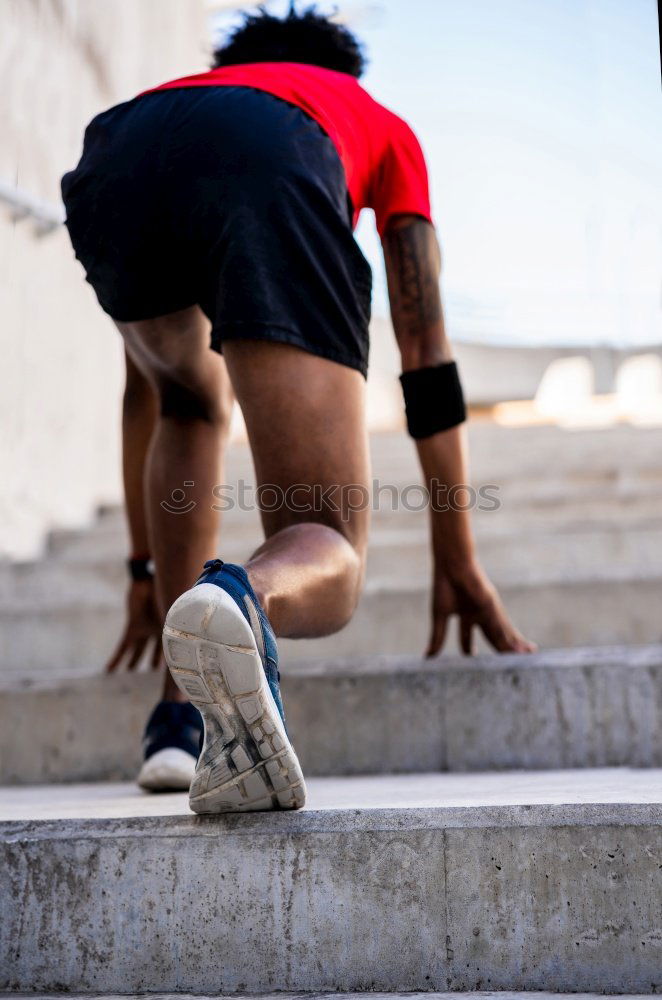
[{"x": 141, "y": 568}]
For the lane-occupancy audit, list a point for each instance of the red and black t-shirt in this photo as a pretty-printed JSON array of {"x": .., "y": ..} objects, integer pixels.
[{"x": 383, "y": 161}]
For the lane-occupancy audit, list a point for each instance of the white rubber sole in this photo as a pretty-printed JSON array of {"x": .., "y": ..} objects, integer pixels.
[
  {"x": 247, "y": 761},
  {"x": 168, "y": 770}
]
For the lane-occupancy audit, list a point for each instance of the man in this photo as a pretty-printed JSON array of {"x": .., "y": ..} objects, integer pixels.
[{"x": 229, "y": 198}]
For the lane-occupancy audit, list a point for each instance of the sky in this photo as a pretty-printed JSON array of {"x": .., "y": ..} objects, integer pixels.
[{"x": 541, "y": 121}]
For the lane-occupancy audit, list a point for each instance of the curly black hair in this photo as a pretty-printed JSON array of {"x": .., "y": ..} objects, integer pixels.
[{"x": 304, "y": 37}]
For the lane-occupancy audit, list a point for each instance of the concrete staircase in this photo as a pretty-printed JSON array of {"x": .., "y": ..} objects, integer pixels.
[
  {"x": 485, "y": 824},
  {"x": 575, "y": 547}
]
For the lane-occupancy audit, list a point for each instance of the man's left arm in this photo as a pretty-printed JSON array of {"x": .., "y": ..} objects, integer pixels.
[{"x": 460, "y": 586}]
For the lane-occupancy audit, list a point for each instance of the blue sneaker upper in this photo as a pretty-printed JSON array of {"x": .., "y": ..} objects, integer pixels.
[{"x": 234, "y": 581}]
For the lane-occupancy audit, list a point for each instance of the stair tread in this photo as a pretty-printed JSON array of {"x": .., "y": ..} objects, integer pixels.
[
  {"x": 411, "y": 580},
  {"x": 631, "y": 655},
  {"x": 472, "y": 995},
  {"x": 445, "y": 794}
]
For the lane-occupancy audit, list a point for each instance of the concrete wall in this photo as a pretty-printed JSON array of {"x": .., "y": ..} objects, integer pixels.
[{"x": 62, "y": 61}]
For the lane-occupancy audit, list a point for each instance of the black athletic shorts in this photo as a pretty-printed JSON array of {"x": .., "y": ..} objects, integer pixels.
[{"x": 229, "y": 198}]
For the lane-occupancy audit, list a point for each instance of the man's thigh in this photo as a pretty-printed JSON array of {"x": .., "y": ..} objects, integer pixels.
[{"x": 305, "y": 418}]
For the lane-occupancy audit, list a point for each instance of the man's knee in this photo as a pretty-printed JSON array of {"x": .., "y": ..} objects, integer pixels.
[
  {"x": 340, "y": 565},
  {"x": 349, "y": 584},
  {"x": 178, "y": 401},
  {"x": 354, "y": 529},
  {"x": 352, "y": 541}
]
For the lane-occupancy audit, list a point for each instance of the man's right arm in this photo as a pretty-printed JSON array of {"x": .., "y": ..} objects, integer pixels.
[{"x": 143, "y": 626}]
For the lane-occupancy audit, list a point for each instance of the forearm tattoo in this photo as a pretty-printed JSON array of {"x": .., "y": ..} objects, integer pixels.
[{"x": 412, "y": 265}]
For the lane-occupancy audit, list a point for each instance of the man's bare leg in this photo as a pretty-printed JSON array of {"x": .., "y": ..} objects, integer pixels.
[
  {"x": 184, "y": 462},
  {"x": 306, "y": 425}
]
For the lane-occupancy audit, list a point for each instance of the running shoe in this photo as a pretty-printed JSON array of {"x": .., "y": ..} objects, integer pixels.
[
  {"x": 170, "y": 746},
  {"x": 221, "y": 651}
]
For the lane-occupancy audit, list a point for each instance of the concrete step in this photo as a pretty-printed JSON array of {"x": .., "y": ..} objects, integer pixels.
[
  {"x": 470, "y": 995},
  {"x": 574, "y": 612},
  {"x": 569, "y": 708},
  {"x": 73, "y": 637},
  {"x": 107, "y": 538},
  {"x": 466, "y": 995},
  {"x": 500, "y": 454},
  {"x": 402, "y": 491},
  {"x": 537, "y": 557},
  {"x": 440, "y": 882}
]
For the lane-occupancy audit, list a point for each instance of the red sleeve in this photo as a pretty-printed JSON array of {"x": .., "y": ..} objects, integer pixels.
[{"x": 400, "y": 184}]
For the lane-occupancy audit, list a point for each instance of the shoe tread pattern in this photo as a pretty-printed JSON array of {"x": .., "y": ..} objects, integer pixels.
[{"x": 247, "y": 762}]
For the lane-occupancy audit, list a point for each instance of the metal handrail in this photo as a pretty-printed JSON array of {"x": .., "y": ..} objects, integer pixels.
[{"x": 47, "y": 217}]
